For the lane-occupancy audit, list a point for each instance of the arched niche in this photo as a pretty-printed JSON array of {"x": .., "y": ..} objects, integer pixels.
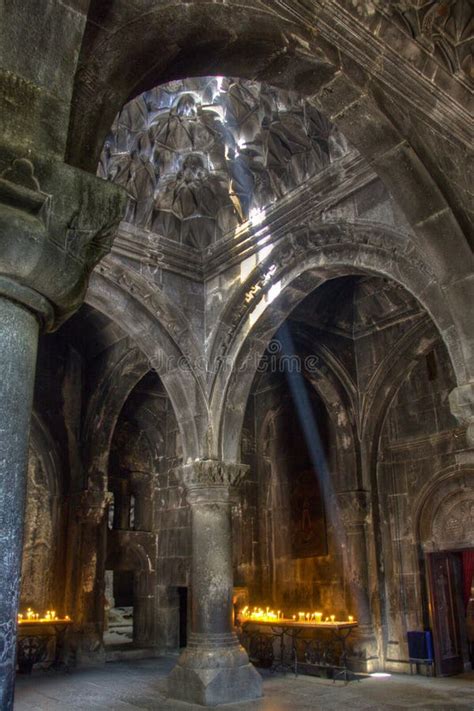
[
  {"x": 300, "y": 442},
  {"x": 445, "y": 519}
]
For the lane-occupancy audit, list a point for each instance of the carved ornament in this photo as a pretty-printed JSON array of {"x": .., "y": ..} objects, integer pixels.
[{"x": 211, "y": 473}]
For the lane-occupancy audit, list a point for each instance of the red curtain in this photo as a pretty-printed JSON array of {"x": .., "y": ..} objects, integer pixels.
[{"x": 468, "y": 572}]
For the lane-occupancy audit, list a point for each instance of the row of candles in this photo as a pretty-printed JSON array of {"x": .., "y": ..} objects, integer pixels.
[
  {"x": 259, "y": 614},
  {"x": 49, "y": 616}
]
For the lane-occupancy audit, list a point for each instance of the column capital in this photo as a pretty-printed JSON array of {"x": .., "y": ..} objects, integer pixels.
[
  {"x": 211, "y": 474},
  {"x": 56, "y": 223},
  {"x": 461, "y": 402}
]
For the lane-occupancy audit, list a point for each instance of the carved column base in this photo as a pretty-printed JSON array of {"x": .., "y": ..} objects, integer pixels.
[{"x": 212, "y": 670}]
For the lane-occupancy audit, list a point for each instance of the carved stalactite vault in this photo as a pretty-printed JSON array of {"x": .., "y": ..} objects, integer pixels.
[{"x": 199, "y": 157}]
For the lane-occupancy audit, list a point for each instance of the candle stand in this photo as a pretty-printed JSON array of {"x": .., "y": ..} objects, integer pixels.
[
  {"x": 317, "y": 645},
  {"x": 34, "y": 638}
]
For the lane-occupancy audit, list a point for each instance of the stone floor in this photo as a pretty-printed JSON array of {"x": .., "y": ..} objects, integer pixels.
[{"x": 141, "y": 685}]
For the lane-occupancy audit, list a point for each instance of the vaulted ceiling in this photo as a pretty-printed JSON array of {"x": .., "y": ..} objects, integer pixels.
[{"x": 200, "y": 156}]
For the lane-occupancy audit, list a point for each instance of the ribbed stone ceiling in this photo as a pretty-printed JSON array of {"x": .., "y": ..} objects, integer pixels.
[{"x": 201, "y": 156}]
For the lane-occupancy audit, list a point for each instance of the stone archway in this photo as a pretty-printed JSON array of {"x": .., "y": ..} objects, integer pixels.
[
  {"x": 294, "y": 47},
  {"x": 161, "y": 333},
  {"x": 300, "y": 264}
]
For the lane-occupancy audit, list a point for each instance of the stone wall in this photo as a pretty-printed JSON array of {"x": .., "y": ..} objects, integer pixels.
[{"x": 420, "y": 441}]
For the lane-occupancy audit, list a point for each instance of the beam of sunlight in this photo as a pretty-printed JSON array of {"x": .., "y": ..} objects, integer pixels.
[
  {"x": 302, "y": 403},
  {"x": 307, "y": 420}
]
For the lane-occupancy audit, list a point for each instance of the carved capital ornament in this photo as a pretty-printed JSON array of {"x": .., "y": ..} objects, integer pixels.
[{"x": 211, "y": 473}]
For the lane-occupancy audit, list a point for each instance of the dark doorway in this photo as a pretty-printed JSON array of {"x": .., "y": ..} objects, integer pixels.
[
  {"x": 448, "y": 613},
  {"x": 123, "y": 588},
  {"x": 183, "y": 616}
]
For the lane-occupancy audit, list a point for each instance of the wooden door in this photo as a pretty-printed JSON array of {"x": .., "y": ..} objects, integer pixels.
[{"x": 446, "y": 612}]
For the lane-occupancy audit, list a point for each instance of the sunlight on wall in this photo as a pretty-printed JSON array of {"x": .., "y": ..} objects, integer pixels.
[
  {"x": 264, "y": 252},
  {"x": 249, "y": 264},
  {"x": 275, "y": 290},
  {"x": 247, "y": 267},
  {"x": 257, "y": 312},
  {"x": 256, "y": 216}
]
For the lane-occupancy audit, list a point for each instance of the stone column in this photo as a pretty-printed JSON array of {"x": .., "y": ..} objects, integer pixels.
[
  {"x": 214, "y": 668},
  {"x": 353, "y": 512},
  {"x": 18, "y": 342},
  {"x": 85, "y": 599},
  {"x": 55, "y": 225}
]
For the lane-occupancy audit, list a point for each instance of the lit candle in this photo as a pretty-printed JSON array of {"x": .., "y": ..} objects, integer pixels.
[
  {"x": 333, "y": 617},
  {"x": 351, "y": 619}
]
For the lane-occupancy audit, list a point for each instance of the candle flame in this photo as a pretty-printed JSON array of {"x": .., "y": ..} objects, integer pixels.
[
  {"x": 267, "y": 614},
  {"x": 49, "y": 616}
]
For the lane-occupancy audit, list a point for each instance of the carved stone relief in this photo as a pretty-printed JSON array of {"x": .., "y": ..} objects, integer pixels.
[
  {"x": 198, "y": 157},
  {"x": 444, "y": 27},
  {"x": 446, "y": 519},
  {"x": 454, "y": 523},
  {"x": 210, "y": 472}
]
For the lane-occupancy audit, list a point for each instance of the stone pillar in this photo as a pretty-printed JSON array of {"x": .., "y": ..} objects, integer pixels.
[
  {"x": 214, "y": 668},
  {"x": 85, "y": 599},
  {"x": 353, "y": 509},
  {"x": 18, "y": 342},
  {"x": 55, "y": 224}
]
